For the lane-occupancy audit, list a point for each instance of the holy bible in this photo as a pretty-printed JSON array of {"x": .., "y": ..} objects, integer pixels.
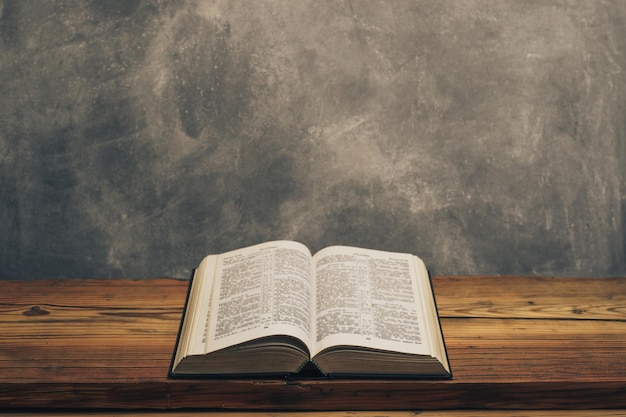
[{"x": 276, "y": 309}]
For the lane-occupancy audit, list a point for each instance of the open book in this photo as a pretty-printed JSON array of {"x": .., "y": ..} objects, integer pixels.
[{"x": 275, "y": 309}]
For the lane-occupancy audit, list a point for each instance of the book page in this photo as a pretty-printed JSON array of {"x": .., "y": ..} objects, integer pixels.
[
  {"x": 429, "y": 309},
  {"x": 368, "y": 298},
  {"x": 260, "y": 291},
  {"x": 193, "y": 332}
]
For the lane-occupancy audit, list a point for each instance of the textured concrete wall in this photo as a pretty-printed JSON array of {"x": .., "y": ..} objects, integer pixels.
[{"x": 486, "y": 136}]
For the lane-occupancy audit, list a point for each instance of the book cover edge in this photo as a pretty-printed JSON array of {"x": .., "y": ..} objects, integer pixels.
[
  {"x": 171, "y": 373},
  {"x": 443, "y": 337}
]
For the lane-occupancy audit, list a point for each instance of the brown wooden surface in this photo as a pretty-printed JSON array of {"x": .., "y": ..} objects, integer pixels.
[
  {"x": 443, "y": 413},
  {"x": 513, "y": 342}
]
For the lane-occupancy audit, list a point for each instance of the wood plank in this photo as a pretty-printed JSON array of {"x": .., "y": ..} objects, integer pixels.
[
  {"x": 445, "y": 413},
  {"x": 527, "y": 348},
  {"x": 513, "y": 343},
  {"x": 473, "y": 296},
  {"x": 531, "y": 297},
  {"x": 332, "y": 395},
  {"x": 122, "y": 293}
]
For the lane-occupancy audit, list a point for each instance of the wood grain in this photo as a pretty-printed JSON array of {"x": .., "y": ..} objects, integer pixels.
[
  {"x": 445, "y": 413},
  {"x": 513, "y": 342},
  {"x": 531, "y": 297}
]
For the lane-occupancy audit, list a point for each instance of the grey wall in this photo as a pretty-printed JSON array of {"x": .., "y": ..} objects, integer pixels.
[{"x": 137, "y": 136}]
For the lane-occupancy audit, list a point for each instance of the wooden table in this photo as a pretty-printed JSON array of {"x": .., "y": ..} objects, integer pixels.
[{"x": 515, "y": 343}]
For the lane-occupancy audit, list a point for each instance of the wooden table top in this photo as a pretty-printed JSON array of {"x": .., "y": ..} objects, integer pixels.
[{"x": 534, "y": 343}]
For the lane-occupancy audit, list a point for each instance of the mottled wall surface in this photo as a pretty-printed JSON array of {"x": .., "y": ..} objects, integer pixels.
[{"x": 486, "y": 136}]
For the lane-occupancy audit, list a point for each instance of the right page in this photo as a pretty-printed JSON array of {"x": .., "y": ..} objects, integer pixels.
[{"x": 368, "y": 298}]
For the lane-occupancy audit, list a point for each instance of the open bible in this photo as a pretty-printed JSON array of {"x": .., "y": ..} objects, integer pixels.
[{"x": 275, "y": 309}]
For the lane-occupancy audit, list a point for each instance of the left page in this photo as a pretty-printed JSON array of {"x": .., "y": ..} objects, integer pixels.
[
  {"x": 192, "y": 338},
  {"x": 260, "y": 291}
]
